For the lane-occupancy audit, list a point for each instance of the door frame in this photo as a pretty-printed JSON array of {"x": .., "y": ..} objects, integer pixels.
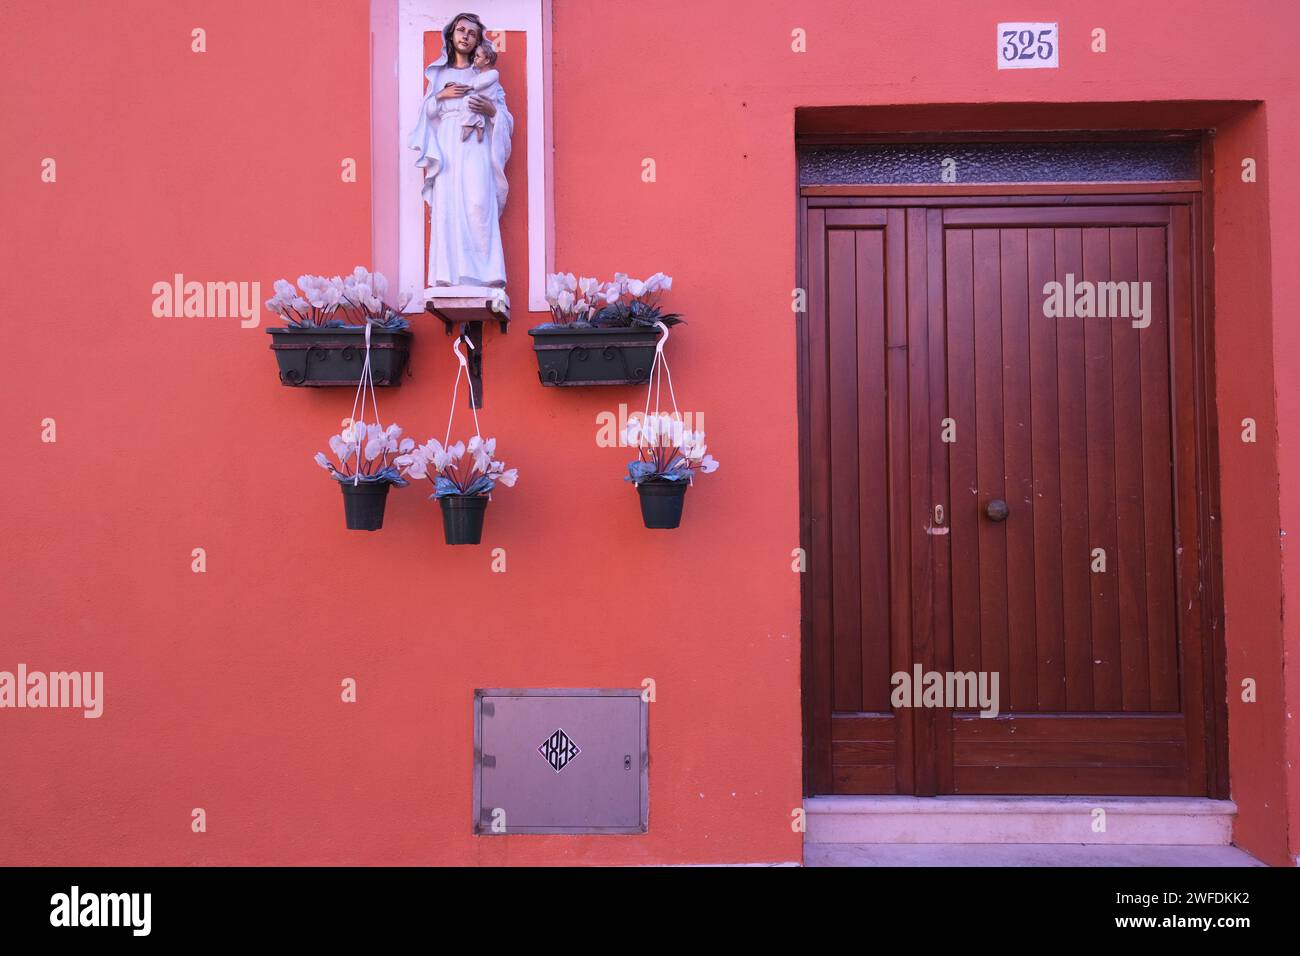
[{"x": 1207, "y": 613}]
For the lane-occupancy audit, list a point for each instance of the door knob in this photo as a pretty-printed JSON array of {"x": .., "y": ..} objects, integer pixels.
[{"x": 997, "y": 510}]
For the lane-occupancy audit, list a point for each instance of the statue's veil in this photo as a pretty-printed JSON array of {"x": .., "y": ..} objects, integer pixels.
[{"x": 423, "y": 138}]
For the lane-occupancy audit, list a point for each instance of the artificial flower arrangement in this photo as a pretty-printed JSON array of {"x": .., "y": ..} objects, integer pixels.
[
  {"x": 323, "y": 318},
  {"x": 619, "y": 304},
  {"x": 368, "y": 457},
  {"x": 338, "y": 302},
  {"x": 668, "y": 458},
  {"x": 463, "y": 477},
  {"x": 600, "y": 333}
]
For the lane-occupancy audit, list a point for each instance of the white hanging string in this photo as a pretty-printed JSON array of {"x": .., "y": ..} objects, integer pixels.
[
  {"x": 658, "y": 370},
  {"x": 455, "y": 389},
  {"x": 367, "y": 378}
]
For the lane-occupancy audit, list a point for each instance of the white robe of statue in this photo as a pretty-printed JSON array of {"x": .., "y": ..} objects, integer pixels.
[{"x": 464, "y": 181}]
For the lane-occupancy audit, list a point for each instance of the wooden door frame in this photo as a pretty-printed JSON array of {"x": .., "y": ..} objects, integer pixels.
[{"x": 1202, "y": 518}]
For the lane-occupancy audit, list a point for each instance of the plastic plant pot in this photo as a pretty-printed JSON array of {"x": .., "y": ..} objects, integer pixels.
[
  {"x": 661, "y": 502},
  {"x": 462, "y": 518},
  {"x": 363, "y": 504}
]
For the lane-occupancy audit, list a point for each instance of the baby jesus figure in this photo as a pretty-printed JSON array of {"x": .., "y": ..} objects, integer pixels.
[{"x": 485, "y": 57}]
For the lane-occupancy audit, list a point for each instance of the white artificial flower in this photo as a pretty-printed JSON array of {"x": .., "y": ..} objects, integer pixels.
[
  {"x": 342, "y": 449},
  {"x": 670, "y": 429},
  {"x": 432, "y": 452},
  {"x": 313, "y": 289},
  {"x": 636, "y": 287},
  {"x": 708, "y": 465},
  {"x": 415, "y": 464},
  {"x": 482, "y": 451},
  {"x": 650, "y": 430}
]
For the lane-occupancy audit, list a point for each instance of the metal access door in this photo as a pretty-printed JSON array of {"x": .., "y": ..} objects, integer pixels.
[{"x": 560, "y": 761}]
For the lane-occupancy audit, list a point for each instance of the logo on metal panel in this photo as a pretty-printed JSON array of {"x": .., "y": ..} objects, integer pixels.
[{"x": 558, "y": 750}]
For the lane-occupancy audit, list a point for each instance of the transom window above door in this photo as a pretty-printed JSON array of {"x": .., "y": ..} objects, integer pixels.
[{"x": 975, "y": 162}]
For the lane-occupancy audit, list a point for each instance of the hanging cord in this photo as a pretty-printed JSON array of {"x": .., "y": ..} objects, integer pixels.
[
  {"x": 367, "y": 378},
  {"x": 658, "y": 369},
  {"x": 455, "y": 389}
]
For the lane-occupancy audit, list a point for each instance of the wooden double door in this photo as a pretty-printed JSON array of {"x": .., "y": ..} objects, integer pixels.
[{"x": 992, "y": 487}]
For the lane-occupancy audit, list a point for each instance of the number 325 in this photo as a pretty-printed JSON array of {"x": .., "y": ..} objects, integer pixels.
[{"x": 1023, "y": 46}]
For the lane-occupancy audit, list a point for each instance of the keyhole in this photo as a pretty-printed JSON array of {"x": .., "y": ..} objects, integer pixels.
[{"x": 627, "y": 761}]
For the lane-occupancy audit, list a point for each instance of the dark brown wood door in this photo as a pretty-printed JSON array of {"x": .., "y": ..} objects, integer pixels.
[{"x": 942, "y": 394}]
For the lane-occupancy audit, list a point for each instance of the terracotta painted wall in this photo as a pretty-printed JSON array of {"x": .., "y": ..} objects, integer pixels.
[{"x": 222, "y": 688}]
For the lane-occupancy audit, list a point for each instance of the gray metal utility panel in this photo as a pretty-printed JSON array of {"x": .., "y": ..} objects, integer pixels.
[{"x": 560, "y": 761}]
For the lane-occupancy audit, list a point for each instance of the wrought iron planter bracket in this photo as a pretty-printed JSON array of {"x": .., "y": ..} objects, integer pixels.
[{"x": 467, "y": 320}]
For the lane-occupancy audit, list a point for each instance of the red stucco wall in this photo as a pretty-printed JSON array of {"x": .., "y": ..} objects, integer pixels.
[{"x": 222, "y": 688}]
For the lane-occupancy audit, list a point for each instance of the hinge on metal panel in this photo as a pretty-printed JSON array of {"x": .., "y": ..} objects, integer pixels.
[
  {"x": 489, "y": 709},
  {"x": 489, "y": 760}
]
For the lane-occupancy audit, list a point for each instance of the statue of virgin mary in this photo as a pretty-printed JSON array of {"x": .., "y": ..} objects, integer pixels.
[{"x": 463, "y": 137}]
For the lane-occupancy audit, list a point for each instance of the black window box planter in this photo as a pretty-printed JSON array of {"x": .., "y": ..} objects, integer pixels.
[
  {"x": 568, "y": 357},
  {"x": 334, "y": 356}
]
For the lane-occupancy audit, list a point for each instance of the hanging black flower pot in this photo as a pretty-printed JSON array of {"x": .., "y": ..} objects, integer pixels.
[
  {"x": 567, "y": 356},
  {"x": 462, "y": 518},
  {"x": 322, "y": 356},
  {"x": 363, "y": 504},
  {"x": 661, "y": 502}
]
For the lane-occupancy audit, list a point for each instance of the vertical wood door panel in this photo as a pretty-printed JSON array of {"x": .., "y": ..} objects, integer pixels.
[
  {"x": 857, "y": 420},
  {"x": 1045, "y": 468},
  {"x": 1085, "y": 600}
]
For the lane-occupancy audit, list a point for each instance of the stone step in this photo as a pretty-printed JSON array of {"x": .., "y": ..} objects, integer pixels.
[
  {"x": 1167, "y": 821},
  {"x": 1021, "y": 854}
]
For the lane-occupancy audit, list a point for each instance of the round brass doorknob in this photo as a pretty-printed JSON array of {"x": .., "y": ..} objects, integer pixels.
[{"x": 997, "y": 510}]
